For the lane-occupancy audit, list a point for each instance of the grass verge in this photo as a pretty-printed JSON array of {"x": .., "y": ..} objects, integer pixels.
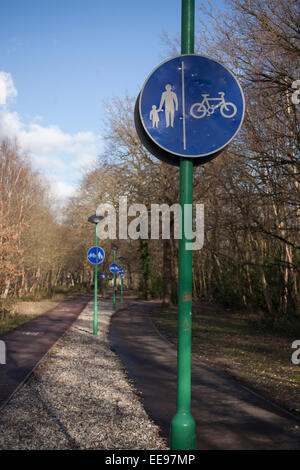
[{"x": 259, "y": 359}]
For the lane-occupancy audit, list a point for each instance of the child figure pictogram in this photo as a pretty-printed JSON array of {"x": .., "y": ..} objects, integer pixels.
[{"x": 154, "y": 116}]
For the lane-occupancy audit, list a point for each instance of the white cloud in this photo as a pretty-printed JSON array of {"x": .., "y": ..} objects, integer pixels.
[
  {"x": 53, "y": 151},
  {"x": 49, "y": 163},
  {"x": 62, "y": 190},
  {"x": 50, "y": 140},
  {"x": 43, "y": 140},
  {"x": 10, "y": 125},
  {"x": 7, "y": 87},
  {"x": 50, "y": 147},
  {"x": 84, "y": 161}
]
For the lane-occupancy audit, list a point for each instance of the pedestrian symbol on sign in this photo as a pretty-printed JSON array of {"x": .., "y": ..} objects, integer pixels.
[
  {"x": 189, "y": 106},
  {"x": 170, "y": 101},
  {"x": 154, "y": 116}
]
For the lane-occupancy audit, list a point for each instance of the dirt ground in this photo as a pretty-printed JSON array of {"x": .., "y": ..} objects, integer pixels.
[
  {"x": 25, "y": 310},
  {"x": 37, "y": 307}
]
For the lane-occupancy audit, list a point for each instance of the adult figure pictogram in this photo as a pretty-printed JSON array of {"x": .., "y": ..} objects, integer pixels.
[{"x": 169, "y": 100}]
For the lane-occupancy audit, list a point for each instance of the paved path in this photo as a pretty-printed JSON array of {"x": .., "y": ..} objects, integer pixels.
[
  {"x": 227, "y": 414},
  {"x": 27, "y": 344}
]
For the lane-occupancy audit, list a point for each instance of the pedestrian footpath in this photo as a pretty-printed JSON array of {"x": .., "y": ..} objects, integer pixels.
[{"x": 79, "y": 397}]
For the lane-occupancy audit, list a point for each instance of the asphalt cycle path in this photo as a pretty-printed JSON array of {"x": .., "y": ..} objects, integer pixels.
[
  {"x": 228, "y": 415},
  {"x": 28, "y": 343}
]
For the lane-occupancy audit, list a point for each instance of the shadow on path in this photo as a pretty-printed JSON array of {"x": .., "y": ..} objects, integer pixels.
[{"x": 227, "y": 414}]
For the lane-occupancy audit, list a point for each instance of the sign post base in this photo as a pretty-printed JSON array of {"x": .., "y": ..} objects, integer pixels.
[{"x": 183, "y": 431}]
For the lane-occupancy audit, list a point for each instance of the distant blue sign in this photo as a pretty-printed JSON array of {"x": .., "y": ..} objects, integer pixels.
[
  {"x": 191, "y": 106},
  {"x": 114, "y": 268},
  {"x": 121, "y": 271},
  {"x": 102, "y": 276},
  {"x": 96, "y": 255}
]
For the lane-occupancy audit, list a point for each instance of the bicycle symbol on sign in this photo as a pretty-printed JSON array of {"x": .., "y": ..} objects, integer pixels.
[{"x": 207, "y": 108}]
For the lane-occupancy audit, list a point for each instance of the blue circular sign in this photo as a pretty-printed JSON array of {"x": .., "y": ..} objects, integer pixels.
[
  {"x": 191, "y": 106},
  {"x": 114, "y": 268},
  {"x": 102, "y": 276},
  {"x": 96, "y": 255},
  {"x": 121, "y": 271}
]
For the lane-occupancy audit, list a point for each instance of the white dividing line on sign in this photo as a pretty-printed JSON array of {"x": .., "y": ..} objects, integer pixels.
[{"x": 183, "y": 106}]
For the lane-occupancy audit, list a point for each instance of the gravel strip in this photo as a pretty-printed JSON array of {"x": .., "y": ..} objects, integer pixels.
[{"x": 79, "y": 397}]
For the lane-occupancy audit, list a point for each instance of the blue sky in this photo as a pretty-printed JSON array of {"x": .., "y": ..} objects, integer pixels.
[{"x": 61, "y": 59}]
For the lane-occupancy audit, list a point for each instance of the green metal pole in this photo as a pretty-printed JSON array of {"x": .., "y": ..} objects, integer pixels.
[
  {"x": 183, "y": 427},
  {"x": 121, "y": 284},
  {"x": 95, "y": 289},
  {"x": 114, "y": 292}
]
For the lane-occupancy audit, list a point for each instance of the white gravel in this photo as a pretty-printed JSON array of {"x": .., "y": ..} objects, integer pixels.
[{"x": 79, "y": 397}]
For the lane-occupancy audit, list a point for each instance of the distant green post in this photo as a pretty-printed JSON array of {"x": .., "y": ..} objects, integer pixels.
[
  {"x": 183, "y": 427},
  {"x": 114, "y": 248},
  {"x": 121, "y": 285},
  {"x": 121, "y": 266},
  {"x": 114, "y": 293},
  {"x": 96, "y": 291},
  {"x": 95, "y": 219}
]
